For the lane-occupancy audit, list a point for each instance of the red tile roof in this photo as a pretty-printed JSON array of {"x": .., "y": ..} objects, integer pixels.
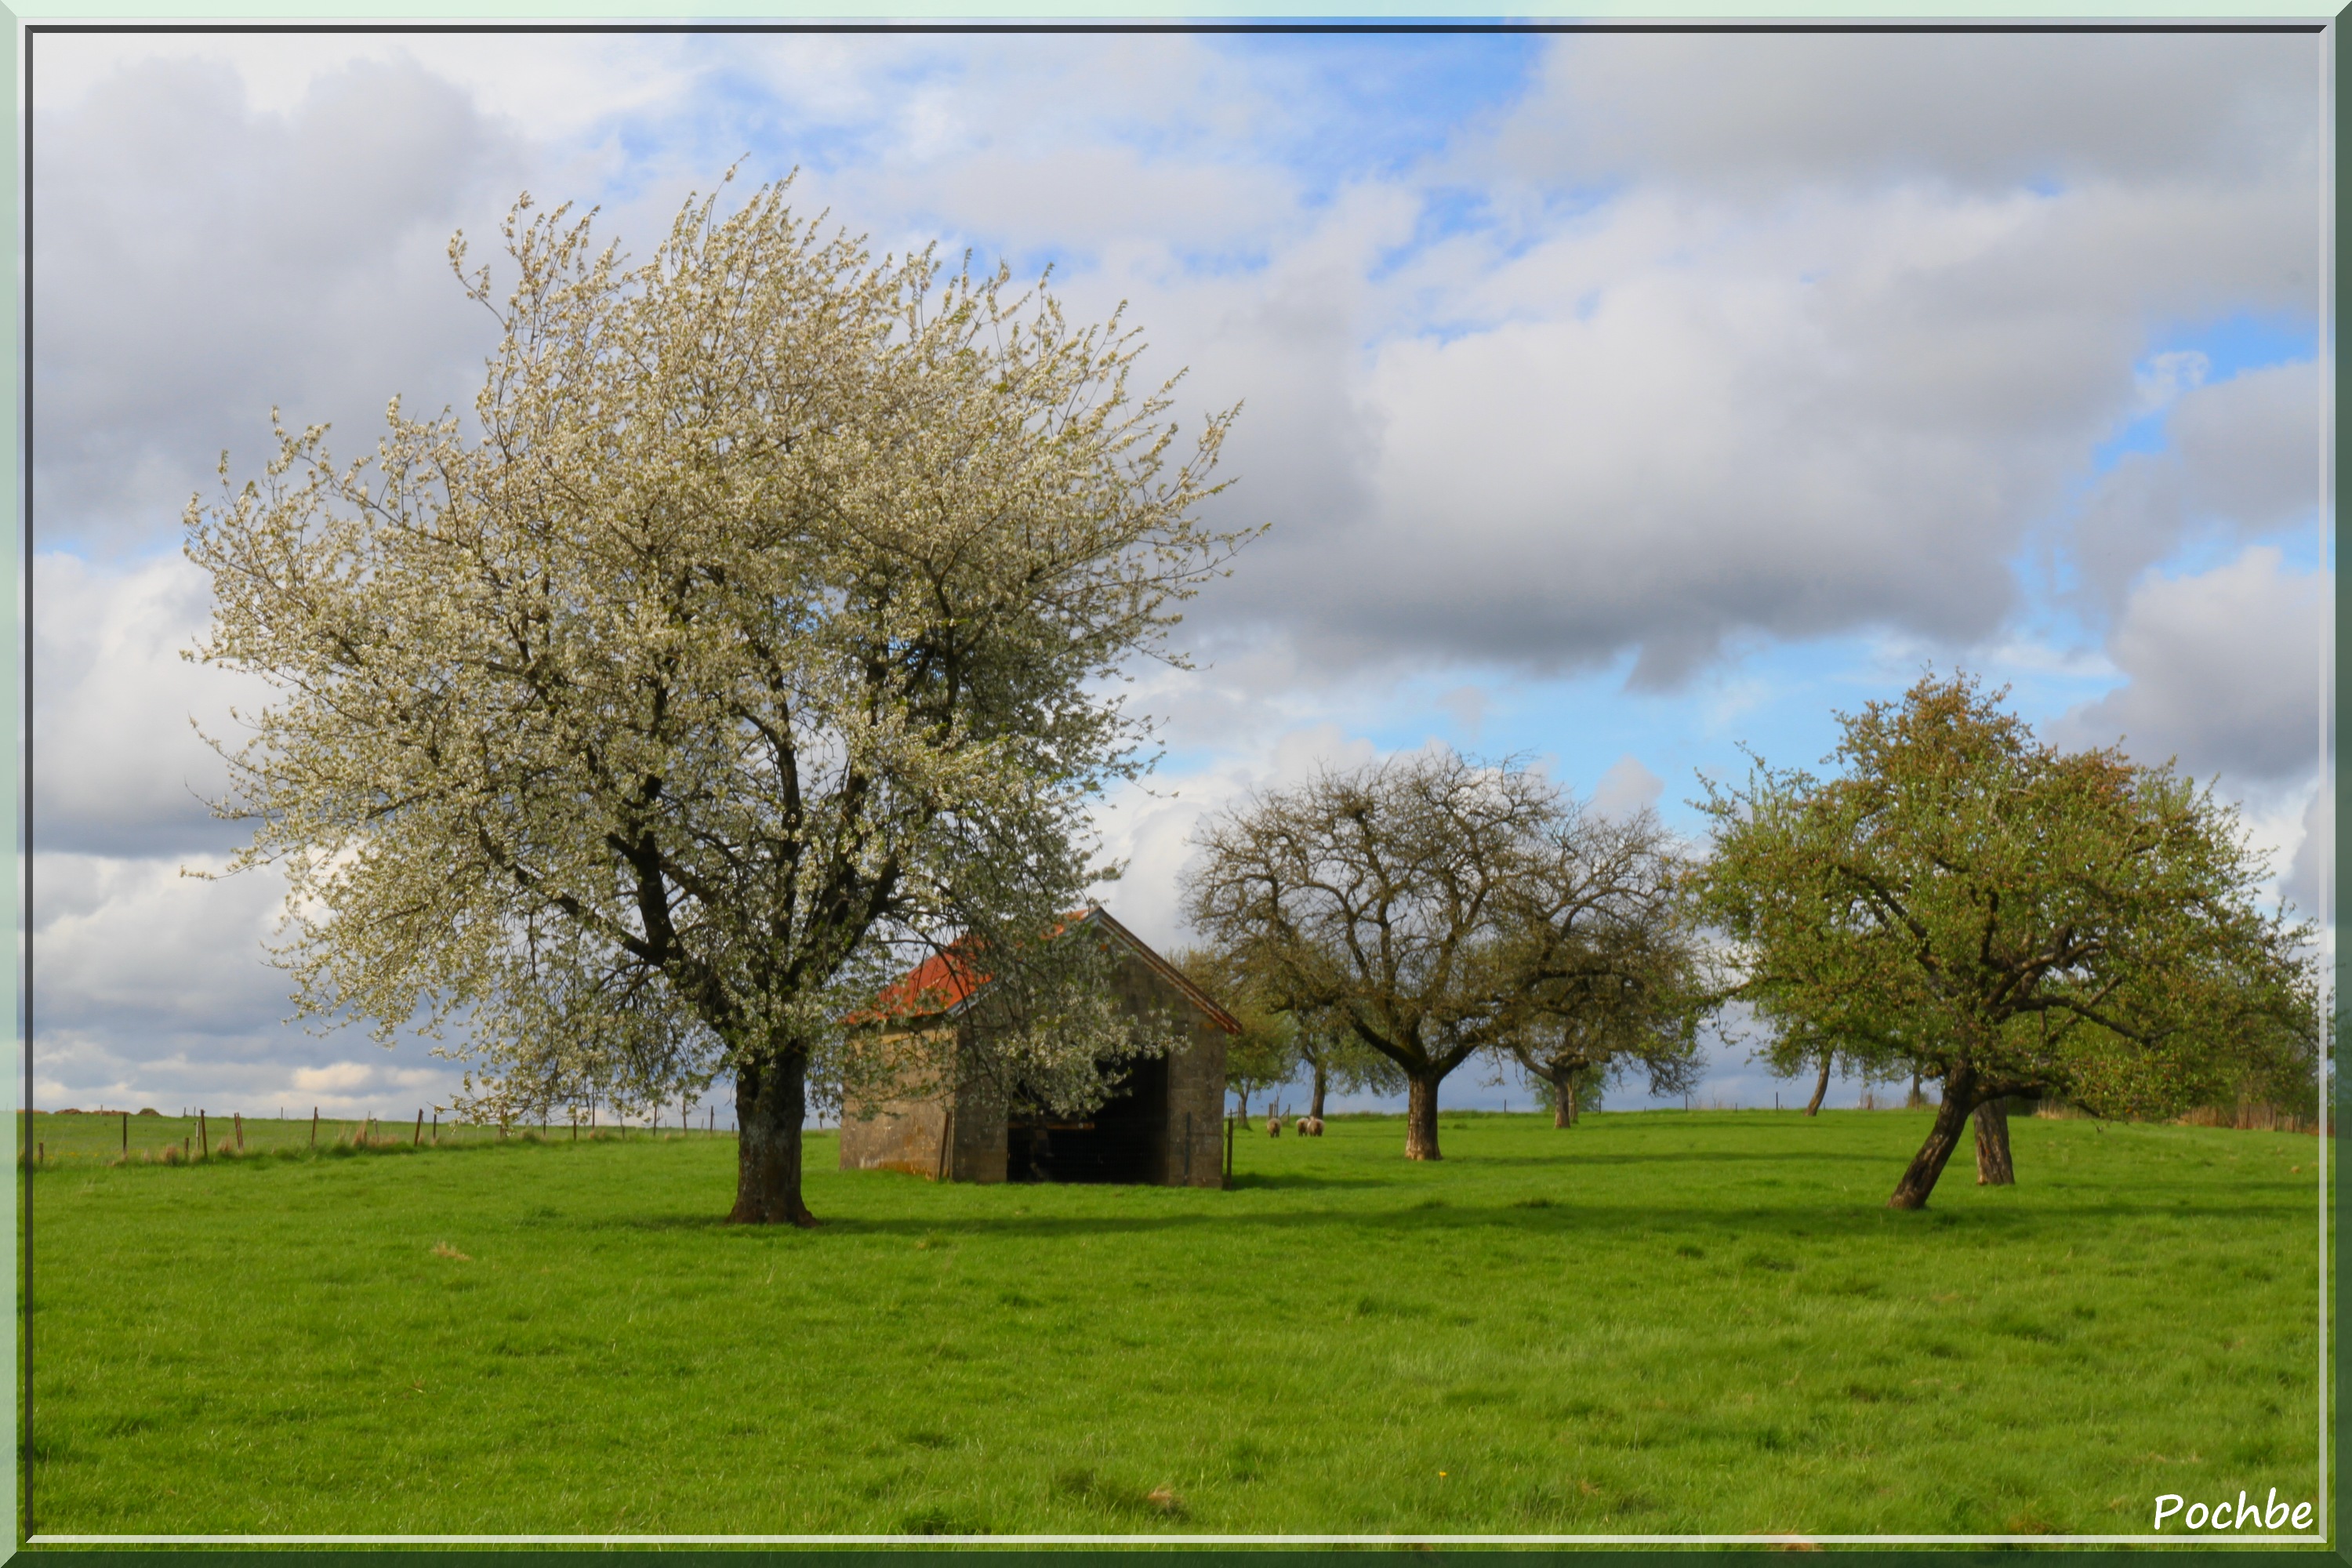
[
  {"x": 940, "y": 984},
  {"x": 944, "y": 982}
]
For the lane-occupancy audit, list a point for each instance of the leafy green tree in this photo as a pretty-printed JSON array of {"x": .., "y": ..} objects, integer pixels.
[
  {"x": 1434, "y": 907},
  {"x": 1335, "y": 1058},
  {"x": 762, "y": 629},
  {"x": 1573, "y": 1056},
  {"x": 2009, "y": 919},
  {"x": 1264, "y": 1055},
  {"x": 1634, "y": 1004}
]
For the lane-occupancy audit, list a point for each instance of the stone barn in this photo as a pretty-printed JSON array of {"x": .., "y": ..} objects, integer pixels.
[{"x": 1162, "y": 1127}]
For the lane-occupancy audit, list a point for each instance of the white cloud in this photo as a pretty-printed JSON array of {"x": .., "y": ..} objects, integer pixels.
[
  {"x": 118, "y": 767},
  {"x": 1627, "y": 788},
  {"x": 335, "y": 1076},
  {"x": 2244, "y": 458},
  {"x": 1757, "y": 113},
  {"x": 2227, "y": 672},
  {"x": 2310, "y": 880},
  {"x": 197, "y": 262}
]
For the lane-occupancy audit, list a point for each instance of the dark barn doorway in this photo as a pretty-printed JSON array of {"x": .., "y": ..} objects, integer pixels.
[{"x": 1122, "y": 1142}]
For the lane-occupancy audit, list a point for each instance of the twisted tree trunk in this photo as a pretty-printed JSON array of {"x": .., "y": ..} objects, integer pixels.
[
  {"x": 1321, "y": 1081},
  {"x": 770, "y": 1099},
  {"x": 1960, "y": 1097},
  {"x": 1994, "y": 1167},
  {"x": 1420, "y": 1119},
  {"x": 1821, "y": 1087}
]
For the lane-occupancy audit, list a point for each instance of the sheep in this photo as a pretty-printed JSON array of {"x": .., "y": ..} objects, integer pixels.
[
  {"x": 1274, "y": 1126},
  {"x": 1307, "y": 1126}
]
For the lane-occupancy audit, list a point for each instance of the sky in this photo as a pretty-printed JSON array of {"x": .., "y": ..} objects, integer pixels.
[{"x": 1617, "y": 403}]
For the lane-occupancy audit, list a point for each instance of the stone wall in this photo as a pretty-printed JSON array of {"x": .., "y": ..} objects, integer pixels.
[
  {"x": 901, "y": 1133},
  {"x": 979, "y": 1129}
]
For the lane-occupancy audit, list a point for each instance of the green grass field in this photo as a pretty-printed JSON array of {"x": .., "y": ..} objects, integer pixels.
[{"x": 1657, "y": 1322}]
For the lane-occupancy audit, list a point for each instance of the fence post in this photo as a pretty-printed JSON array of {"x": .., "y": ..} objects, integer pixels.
[
  {"x": 314, "y": 1130},
  {"x": 240, "y": 1130},
  {"x": 126, "y": 1133},
  {"x": 418, "y": 1141},
  {"x": 204, "y": 1141}
]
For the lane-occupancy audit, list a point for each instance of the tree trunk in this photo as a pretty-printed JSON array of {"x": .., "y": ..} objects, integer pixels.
[
  {"x": 1567, "y": 1093},
  {"x": 770, "y": 1099},
  {"x": 1321, "y": 1082},
  {"x": 1994, "y": 1168},
  {"x": 1244, "y": 1092},
  {"x": 1820, "y": 1088},
  {"x": 1951, "y": 1117},
  {"x": 1560, "y": 1116},
  {"x": 1915, "y": 1101},
  {"x": 1420, "y": 1119}
]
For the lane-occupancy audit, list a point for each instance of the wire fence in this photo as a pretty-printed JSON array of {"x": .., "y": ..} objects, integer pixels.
[{"x": 110, "y": 1137}]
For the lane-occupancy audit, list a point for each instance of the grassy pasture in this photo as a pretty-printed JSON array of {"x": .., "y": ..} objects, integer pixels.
[{"x": 1657, "y": 1322}]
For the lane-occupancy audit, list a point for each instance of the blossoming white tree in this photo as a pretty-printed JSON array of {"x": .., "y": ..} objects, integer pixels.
[{"x": 761, "y": 629}]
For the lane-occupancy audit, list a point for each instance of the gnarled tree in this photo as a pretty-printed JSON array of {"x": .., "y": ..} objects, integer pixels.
[
  {"x": 1634, "y": 1001},
  {"x": 2009, "y": 919},
  {"x": 760, "y": 625},
  {"x": 1434, "y": 907},
  {"x": 1336, "y": 1058}
]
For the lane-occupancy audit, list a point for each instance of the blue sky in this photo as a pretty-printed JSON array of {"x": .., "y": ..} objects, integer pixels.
[{"x": 1613, "y": 401}]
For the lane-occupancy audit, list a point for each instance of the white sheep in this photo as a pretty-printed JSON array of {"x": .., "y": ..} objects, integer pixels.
[{"x": 1274, "y": 1126}]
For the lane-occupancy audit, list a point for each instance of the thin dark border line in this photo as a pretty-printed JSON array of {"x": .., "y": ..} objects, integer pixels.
[
  {"x": 25, "y": 798},
  {"x": 1204, "y": 26},
  {"x": 25, "y": 1533}
]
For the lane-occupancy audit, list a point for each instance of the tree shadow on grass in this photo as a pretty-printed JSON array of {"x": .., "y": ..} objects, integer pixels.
[
  {"x": 1535, "y": 1220},
  {"x": 1244, "y": 1181},
  {"x": 1570, "y": 1158}
]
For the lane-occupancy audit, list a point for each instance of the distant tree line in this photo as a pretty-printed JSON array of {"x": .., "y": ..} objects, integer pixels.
[{"x": 1957, "y": 903}]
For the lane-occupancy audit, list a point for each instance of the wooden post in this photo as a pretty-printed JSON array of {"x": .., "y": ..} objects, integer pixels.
[
  {"x": 126, "y": 1133},
  {"x": 418, "y": 1141},
  {"x": 314, "y": 1130},
  {"x": 240, "y": 1131},
  {"x": 1229, "y": 1150},
  {"x": 204, "y": 1141}
]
